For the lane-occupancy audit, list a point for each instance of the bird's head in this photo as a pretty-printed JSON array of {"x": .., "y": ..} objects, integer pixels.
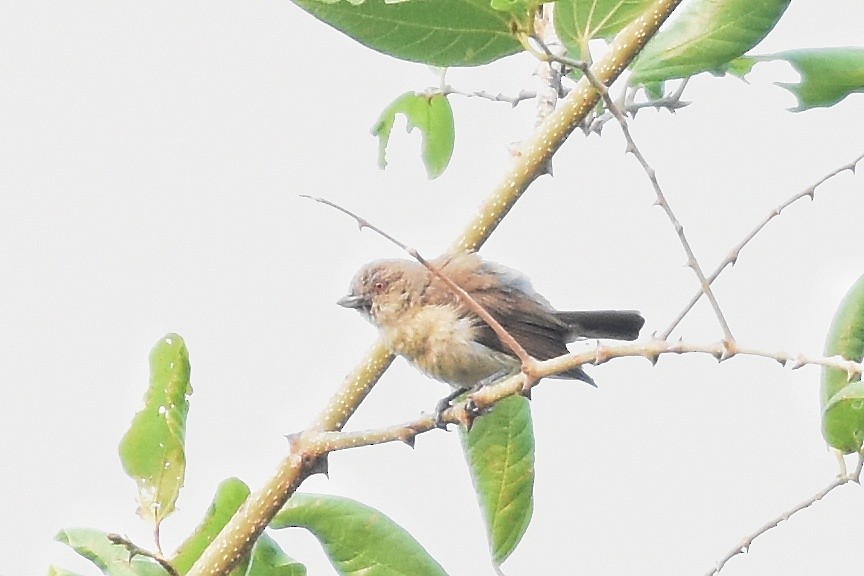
[{"x": 383, "y": 289}]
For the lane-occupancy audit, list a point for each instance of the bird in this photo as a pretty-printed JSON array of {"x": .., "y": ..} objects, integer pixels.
[{"x": 423, "y": 320}]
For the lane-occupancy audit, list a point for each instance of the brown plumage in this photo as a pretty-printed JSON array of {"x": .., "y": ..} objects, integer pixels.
[{"x": 420, "y": 318}]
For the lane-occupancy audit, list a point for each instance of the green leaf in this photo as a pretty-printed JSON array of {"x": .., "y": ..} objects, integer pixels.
[
  {"x": 431, "y": 113},
  {"x": 111, "y": 559},
  {"x": 654, "y": 90},
  {"x": 152, "y": 451},
  {"x": 268, "y": 559},
  {"x": 359, "y": 540},
  {"x": 578, "y": 21},
  {"x": 500, "y": 453},
  {"x": 230, "y": 495},
  {"x": 828, "y": 75},
  {"x": 842, "y": 400},
  {"x": 514, "y": 6},
  {"x": 437, "y": 32},
  {"x": 742, "y": 66},
  {"x": 706, "y": 35}
]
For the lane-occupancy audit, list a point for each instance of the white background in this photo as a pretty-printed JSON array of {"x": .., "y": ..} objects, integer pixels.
[{"x": 151, "y": 158}]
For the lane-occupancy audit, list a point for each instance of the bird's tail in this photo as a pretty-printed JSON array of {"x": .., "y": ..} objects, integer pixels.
[{"x": 616, "y": 324}]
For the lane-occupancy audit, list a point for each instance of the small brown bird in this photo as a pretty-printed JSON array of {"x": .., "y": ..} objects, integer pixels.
[{"x": 421, "y": 318}]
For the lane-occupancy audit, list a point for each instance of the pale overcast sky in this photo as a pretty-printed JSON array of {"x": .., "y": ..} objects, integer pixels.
[{"x": 152, "y": 158}]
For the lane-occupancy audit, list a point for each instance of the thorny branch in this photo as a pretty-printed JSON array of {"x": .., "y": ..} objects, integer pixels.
[
  {"x": 512, "y": 100},
  {"x": 319, "y": 443},
  {"x": 135, "y": 550},
  {"x": 732, "y": 256},
  {"x": 546, "y": 54},
  {"x": 747, "y": 541},
  {"x": 671, "y": 102}
]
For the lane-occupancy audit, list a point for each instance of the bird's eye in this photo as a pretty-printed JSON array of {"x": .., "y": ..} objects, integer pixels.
[{"x": 379, "y": 287}]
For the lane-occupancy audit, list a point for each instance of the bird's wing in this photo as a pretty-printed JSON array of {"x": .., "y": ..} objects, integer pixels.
[{"x": 510, "y": 299}]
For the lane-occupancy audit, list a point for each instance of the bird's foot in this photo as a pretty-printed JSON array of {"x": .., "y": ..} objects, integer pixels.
[{"x": 444, "y": 404}]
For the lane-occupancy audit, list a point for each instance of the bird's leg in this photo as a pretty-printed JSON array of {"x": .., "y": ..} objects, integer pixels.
[{"x": 444, "y": 404}]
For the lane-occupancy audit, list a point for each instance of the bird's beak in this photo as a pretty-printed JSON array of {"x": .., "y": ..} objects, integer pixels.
[{"x": 353, "y": 301}]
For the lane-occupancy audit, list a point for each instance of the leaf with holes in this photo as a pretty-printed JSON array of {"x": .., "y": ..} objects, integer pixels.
[
  {"x": 828, "y": 75},
  {"x": 432, "y": 115},
  {"x": 152, "y": 450}
]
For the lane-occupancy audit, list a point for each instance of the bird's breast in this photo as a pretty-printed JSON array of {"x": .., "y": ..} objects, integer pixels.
[{"x": 442, "y": 343}]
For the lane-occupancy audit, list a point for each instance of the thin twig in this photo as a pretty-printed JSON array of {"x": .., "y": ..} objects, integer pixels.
[
  {"x": 745, "y": 544},
  {"x": 652, "y": 350},
  {"x": 630, "y": 107},
  {"x": 135, "y": 550},
  {"x": 549, "y": 72},
  {"x": 733, "y": 254},
  {"x": 505, "y": 337},
  {"x": 652, "y": 176},
  {"x": 500, "y": 97}
]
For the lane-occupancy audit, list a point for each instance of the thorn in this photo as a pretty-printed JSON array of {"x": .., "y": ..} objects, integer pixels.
[
  {"x": 652, "y": 357},
  {"x": 469, "y": 414},
  {"x": 601, "y": 354},
  {"x": 317, "y": 465},
  {"x": 526, "y": 386},
  {"x": 730, "y": 349},
  {"x": 292, "y": 438},
  {"x": 811, "y": 192},
  {"x": 798, "y": 362},
  {"x": 718, "y": 355},
  {"x": 409, "y": 439},
  {"x": 782, "y": 361}
]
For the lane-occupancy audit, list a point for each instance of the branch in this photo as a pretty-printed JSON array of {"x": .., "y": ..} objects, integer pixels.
[
  {"x": 732, "y": 256},
  {"x": 315, "y": 444},
  {"x": 745, "y": 544},
  {"x": 652, "y": 350},
  {"x": 135, "y": 550},
  {"x": 240, "y": 533},
  {"x": 671, "y": 102},
  {"x": 661, "y": 201},
  {"x": 549, "y": 72},
  {"x": 512, "y": 100}
]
